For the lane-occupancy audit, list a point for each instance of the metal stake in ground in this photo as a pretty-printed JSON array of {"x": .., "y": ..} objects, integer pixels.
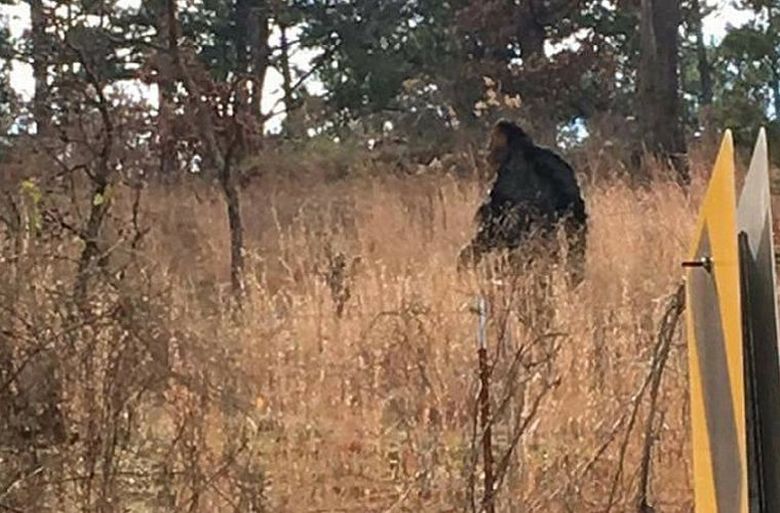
[{"x": 484, "y": 407}]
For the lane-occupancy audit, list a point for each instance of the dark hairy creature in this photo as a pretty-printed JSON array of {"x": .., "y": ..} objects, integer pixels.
[{"x": 535, "y": 192}]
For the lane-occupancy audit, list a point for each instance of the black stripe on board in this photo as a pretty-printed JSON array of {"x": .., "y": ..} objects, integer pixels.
[{"x": 716, "y": 385}]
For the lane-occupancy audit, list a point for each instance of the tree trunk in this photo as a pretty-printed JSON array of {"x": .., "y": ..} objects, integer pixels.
[
  {"x": 165, "y": 115},
  {"x": 242, "y": 20},
  {"x": 776, "y": 91},
  {"x": 705, "y": 71},
  {"x": 166, "y": 87},
  {"x": 530, "y": 34},
  {"x": 705, "y": 75},
  {"x": 232, "y": 199},
  {"x": 101, "y": 182},
  {"x": 658, "y": 101},
  {"x": 260, "y": 58},
  {"x": 772, "y": 14},
  {"x": 40, "y": 58},
  {"x": 222, "y": 160},
  {"x": 291, "y": 125},
  {"x": 531, "y": 37}
]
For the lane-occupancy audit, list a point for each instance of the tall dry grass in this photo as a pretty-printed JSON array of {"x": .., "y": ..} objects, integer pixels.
[{"x": 348, "y": 380}]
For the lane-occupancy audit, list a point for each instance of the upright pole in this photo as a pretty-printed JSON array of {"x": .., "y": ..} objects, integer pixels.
[{"x": 488, "y": 504}]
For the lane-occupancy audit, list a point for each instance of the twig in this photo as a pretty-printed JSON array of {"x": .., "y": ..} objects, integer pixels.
[
  {"x": 653, "y": 376},
  {"x": 669, "y": 322},
  {"x": 520, "y": 429}
]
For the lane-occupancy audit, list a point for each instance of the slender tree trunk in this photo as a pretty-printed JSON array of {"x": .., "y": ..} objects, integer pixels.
[
  {"x": 772, "y": 14},
  {"x": 166, "y": 88},
  {"x": 242, "y": 21},
  {"x": 12, "y": 282},
  {"x": 233, "y": 201},
  {"x": 705, "y": 75},
  {"x": 703, "y": 64},
  {"x": 260, "y": 58},
  {"x": 165, "y": 119},
  {"x": 291, "y": 125},
  {"x": 776, "y": 92},
  {"x": 531, "y": 37},
  {"x": 658, "y": 101},
  {"x": 530, "y": 34},
  {"x": 40, "y": 51},
  {"x": 100, "y": 205},
  {"x": 222, "y": 161}
]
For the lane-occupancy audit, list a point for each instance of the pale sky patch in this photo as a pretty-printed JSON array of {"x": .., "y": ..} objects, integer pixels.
[{"x": 726, "y": 15}]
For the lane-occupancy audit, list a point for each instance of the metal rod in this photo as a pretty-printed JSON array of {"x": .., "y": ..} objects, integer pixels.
[
  {"x": 705, "y": 262},
  {"x": 484, "y": 406}
]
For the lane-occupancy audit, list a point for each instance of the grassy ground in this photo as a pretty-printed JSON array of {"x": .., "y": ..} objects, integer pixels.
[{"x": 348, "y": 382}]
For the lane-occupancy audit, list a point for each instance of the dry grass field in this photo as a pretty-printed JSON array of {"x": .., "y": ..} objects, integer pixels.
[{"x": 348, "y": 380}]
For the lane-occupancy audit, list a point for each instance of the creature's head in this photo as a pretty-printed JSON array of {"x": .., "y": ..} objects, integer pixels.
[{"x": 505, "y": 138}]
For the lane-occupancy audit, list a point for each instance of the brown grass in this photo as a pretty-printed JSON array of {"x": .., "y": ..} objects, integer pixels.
[{"x": 286, "y": 406}]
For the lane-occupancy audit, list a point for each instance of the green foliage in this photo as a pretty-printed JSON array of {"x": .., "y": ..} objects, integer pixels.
[
  {"x": 371, "y": 48},
  {"x": 745, "y": 69},
  {"x": 212, "y": 26},
  {"x": 417, "y": 67},
  {"x": 748, "y": 74}
]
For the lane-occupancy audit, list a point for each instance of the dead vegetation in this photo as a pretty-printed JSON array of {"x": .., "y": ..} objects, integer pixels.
[{"x": 348, "y": 380}]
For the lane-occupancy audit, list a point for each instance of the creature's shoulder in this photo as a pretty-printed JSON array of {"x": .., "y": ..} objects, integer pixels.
[{"x": 549, "y": 160}]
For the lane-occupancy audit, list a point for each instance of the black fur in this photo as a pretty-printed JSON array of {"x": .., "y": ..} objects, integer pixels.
[{"x": 533, "y": 192}]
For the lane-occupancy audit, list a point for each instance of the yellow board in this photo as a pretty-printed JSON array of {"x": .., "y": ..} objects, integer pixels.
[{"x": 714, "y": 327}]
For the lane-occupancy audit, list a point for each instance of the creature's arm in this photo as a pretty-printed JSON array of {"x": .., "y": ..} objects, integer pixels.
[
  {"x": 562, "y": 175},
  {"x": 488, "y": 219}
]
